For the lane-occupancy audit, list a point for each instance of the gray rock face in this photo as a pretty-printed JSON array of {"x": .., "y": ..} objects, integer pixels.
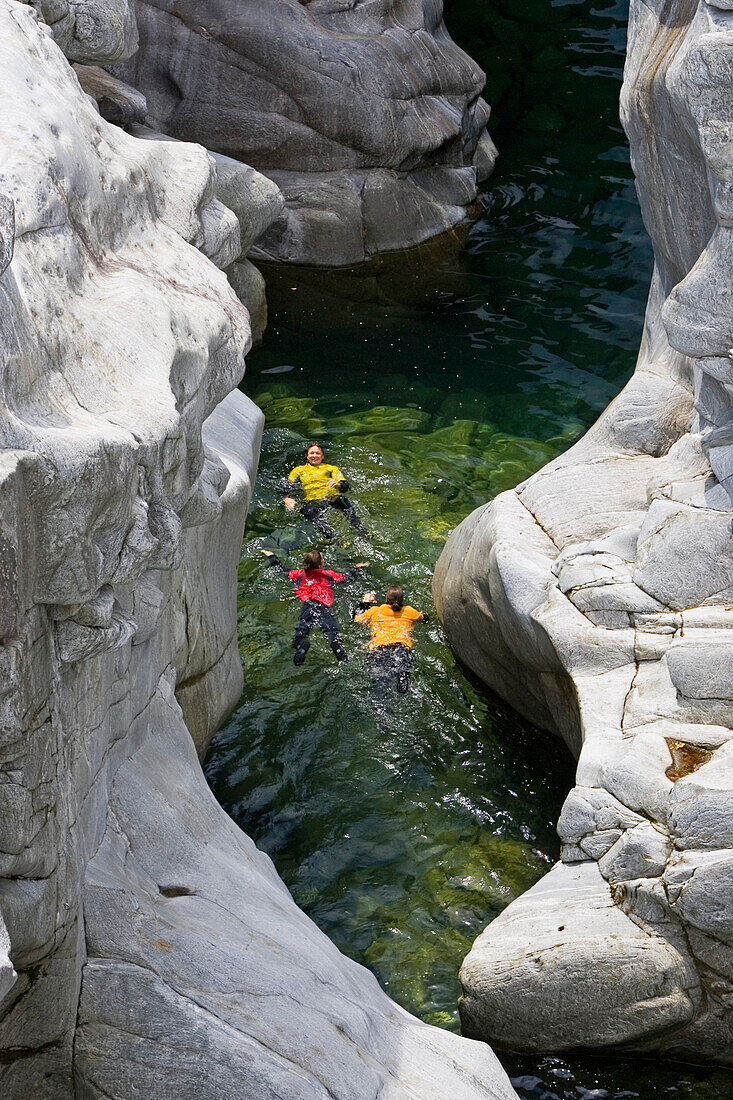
[
  {"x": 366, "y": 114},
  {"x": 146, "y": 947},
  {"x": 596, "y": 597},
  {"x": 91, "y": 30}
]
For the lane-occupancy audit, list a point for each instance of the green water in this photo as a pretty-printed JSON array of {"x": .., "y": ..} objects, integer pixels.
[{"x": 436, "y": 380}]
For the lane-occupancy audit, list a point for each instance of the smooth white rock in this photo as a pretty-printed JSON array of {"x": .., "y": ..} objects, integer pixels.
[{"x": 572, "y": 956}]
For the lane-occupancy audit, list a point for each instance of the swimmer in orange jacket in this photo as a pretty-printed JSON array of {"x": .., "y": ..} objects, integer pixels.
[{"x": 390, "y": 646}]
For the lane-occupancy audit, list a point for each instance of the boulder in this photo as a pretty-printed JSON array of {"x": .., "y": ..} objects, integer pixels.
[{"x": 366, "y": 115}]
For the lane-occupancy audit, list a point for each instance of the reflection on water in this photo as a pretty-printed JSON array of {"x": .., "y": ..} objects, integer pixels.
[
  {"x": 597, "y": 1078},
  {"x": 438, "y": 379}
]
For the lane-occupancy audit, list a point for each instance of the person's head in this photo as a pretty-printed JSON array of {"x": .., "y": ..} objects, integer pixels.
[
  {"x": 314, "y": 454},
  {"x": 394, "y": 596},
  {"x": 313, "y": 560}
]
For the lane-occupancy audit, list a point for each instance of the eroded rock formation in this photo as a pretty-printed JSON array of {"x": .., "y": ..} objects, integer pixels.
[
  {"x": 146, "y": 946},
  {"x": 366, "y": 114},
  {"x": 598, "y": 598}
]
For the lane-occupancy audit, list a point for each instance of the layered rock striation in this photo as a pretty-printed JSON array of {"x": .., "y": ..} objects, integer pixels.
[
  {"x": 597, "y": 597},
  {"x": 146, "y": 946},
  {"x": 366, "y": 114}
]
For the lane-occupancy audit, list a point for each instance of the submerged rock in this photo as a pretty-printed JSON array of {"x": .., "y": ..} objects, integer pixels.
[
  {"x": 596, "y": 598},
  {"x": 146, "y": 946},
  {"x": 366, "y": 115}
]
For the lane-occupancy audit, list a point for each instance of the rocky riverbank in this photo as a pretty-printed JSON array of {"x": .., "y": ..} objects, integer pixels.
[{"x": 595, "y": 598}]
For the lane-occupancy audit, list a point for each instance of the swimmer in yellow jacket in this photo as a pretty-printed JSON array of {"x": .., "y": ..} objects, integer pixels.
[
  {"x": 390, "y": 646},
  {"x": 323, "y": 487}
]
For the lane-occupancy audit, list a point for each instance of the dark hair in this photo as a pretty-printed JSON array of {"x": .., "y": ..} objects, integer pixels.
[
  {"x": 318, "y": 445},
  {"x": 313, "y": 560},
  {"x": 394, "y": 596}
]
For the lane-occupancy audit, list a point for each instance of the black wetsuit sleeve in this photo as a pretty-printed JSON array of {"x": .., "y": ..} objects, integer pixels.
[
  {"x": 350, "y": 575},
  {"x": 278, "y": 565},
  {"x": 424, "y": 618},
  {"x": 362, "y": 606}
]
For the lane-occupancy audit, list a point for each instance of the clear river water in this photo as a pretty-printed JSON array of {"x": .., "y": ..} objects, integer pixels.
[{"x": 436, "y": 379}]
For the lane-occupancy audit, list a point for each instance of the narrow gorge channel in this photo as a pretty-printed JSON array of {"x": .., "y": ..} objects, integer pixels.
[{"x": 436, "y": 380}]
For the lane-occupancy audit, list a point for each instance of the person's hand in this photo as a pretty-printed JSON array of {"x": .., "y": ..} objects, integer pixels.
[
  {"x": 332, "y": 483},
  {"x": 289, "y": 503},
  {"x": 361, "y": 565},
  {"x": 368, "y": 597},
  {"x": 267, "y": 553}
]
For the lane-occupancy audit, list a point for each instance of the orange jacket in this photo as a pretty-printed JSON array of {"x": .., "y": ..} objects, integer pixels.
[{"x": 389, "y": 627}]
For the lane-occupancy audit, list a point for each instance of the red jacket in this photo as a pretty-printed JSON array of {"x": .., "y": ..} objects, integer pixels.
[{"x": 314, "y": 585}]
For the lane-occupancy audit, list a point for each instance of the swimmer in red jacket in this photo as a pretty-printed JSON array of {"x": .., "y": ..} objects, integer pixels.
[{"x": 315, "y": 592}]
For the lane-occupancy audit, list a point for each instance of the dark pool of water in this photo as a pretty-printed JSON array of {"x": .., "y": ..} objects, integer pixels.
[{"x": 437, "y": 380}]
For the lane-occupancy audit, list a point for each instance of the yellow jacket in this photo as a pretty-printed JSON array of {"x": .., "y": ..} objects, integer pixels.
[
  {"x": 315, "y": 479},
  {"x": 389, "y": 626}
]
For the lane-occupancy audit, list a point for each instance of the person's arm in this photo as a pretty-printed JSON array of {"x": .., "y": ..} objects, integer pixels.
[
  {"x": 352, "y": 574},
  {"x": 288, "y": 501},
  {"x": 416, "y": 616},
  {"x": 360, "y": 613},
  {"x": 276, "y": 563},
  {"x": 336, "y": 479}
]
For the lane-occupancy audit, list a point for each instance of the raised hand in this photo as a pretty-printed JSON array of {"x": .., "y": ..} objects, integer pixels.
[{"x": 289, "y": 503}]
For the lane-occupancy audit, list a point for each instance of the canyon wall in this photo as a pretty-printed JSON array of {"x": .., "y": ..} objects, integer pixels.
[
  {"x": 146, "y": 946},
  {"x": 365, "y": 113},
  {"x": 597, "y": 597}
]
